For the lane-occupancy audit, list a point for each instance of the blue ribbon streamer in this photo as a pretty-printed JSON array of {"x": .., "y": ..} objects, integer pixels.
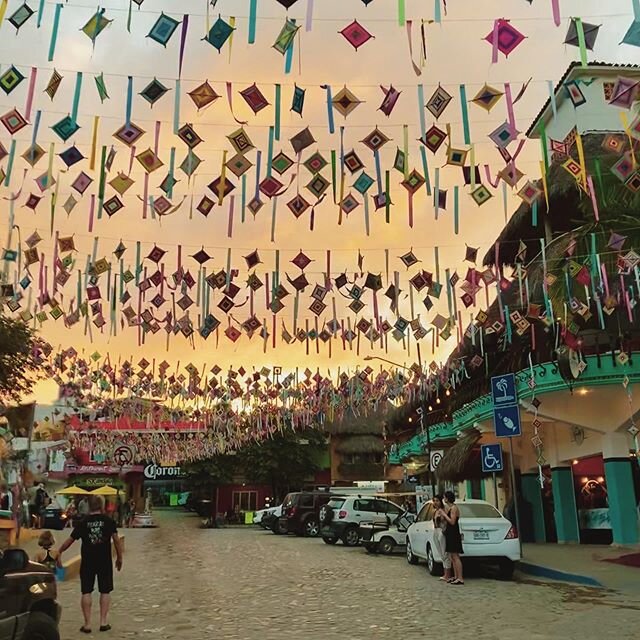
[
  {"x": 376, "y": 157},
  {"x": 40, "y": 13},
  {"x": 12, "y": 155},
  {"x": 176, "y": 109},
  {"x": 172, "y": 168},
  {"x": 507, "y": 319},
  {"x": 437, "y": 12},
  {"x": 258, "y": 163},
  {"x": 636, "y": 9},
  {"x": 54, "y": 32},
  {"x": 288, "y": 58},
  {"x": 244, "y": 197},
  {"x": 270, "y": 152},
  {"x": 534, "y": 214},
  {"x": 36, "y": 127},
  {"x": 76, "y": 97},
  {"x": 253, "y": 19},
  {"x": 129, "y": 106},
  {"x": 332, "y": 126},
  {"x": 423, "y": 130},
  {"x": 465, "y": 115}
]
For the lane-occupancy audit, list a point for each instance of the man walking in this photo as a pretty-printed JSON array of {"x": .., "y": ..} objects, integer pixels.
[{"x": 96, "y": 532}]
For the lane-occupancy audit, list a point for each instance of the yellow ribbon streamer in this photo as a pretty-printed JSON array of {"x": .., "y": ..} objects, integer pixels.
[
  {"x": 94, "y": 143},
  {"x": 543, "y": 173},
  {"x": 3, "y": 9},
  {"x": 583, "y": 166}
]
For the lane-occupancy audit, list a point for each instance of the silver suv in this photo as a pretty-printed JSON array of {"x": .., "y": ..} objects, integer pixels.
[{"x": 340, "y": 518}]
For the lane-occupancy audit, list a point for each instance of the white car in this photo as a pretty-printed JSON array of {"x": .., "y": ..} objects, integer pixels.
[
  {"x": 259, "y": 516},
  {"x": 486, "y": 536},
  {"x": 340, "y": 518}
]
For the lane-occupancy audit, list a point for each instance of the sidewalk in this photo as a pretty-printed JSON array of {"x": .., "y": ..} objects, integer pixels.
[{"x": 581, "y": 564}]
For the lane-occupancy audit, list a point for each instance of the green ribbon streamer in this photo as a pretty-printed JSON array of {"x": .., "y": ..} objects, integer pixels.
[
  {"x": 176, "y": 109},
  {"x": 598, "y": 170},
  {"x": 103, "y": 180},
  {"x": 172, "y": 168},
  {"x": 465, "y": 115},
  {"x": 436, "y": 193},
  {"x": 270, "y": 152},
  {"x": 288, "y": 59},
  {"x": 129, "y": 105},
  {"x": 543, "y": 143},
  {"x": 402, "y": 13},
  {"x": 40, "y": 13},
  {"x": 447, "y": 275},
  {"x": 54, "y": 32},
  {"x": 507, "y": 319},
  {"x": 253, "y": 19},
  {"x": 636, "y": 9},
  {"x": 582, "y": 45},
  {"x": 278, "y": 107},
  {"x": 456, "y": 209},
  {"x": 436, "y": 256},
  {"x": 423, "y": 130},
  {"x": 12, "y": 155},
  {"x": 129, "y": 16},
  {"x": 534, "y": 213},
  {"x": 273, "y": 219},
  {"x": 437, "y": 12},
  {"x": 367, "y": 227},
  {"x": 332, "y": 126},
  {"x": 76, "y": 97},
  {"x": 138, "y": 263}
]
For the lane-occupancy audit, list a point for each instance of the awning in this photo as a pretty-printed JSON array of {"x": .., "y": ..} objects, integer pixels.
[{"x": 459, "y": 462}]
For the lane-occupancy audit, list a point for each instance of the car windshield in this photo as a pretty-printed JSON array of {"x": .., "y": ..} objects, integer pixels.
[
  {"x": 477, "y": 510},
  {"x": 336, "y": 503}
]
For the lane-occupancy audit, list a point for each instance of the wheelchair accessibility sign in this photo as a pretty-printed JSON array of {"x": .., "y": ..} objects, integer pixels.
[{"x": 491, "y": 455}]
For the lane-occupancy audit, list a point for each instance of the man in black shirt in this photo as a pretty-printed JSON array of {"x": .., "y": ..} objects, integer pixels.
[{"x": 96, "y": 532}]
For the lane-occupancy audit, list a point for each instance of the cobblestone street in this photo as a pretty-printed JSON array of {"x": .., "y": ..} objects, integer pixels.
[{"x": 186, "y": 583}]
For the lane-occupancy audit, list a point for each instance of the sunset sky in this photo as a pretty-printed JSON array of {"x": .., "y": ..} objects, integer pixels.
[{"x": 456, "y": 54}]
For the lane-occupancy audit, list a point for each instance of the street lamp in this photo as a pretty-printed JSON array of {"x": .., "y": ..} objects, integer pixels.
[{"x": 421, "y": 411}]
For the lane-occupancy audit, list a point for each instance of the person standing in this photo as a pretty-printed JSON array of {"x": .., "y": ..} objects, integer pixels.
[
  {"x": 40, "y": 504},
  {"x": 96, "y": 531},
  {"x": 453, "y": 538},
  {"x": 439, "y": 540}
]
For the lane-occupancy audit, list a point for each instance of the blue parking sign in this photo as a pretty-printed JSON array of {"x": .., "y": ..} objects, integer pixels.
[
  {"x": 507, "y": 421},
  {"x": 491, "y": 455},
  {"x": 503, "y": 390}
]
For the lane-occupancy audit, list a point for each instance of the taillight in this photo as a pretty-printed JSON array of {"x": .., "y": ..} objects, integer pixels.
[
  {"x": 342, "y": 514},
  {"x": 291, "y": 512},
  {"x": 512, "y": 534}
]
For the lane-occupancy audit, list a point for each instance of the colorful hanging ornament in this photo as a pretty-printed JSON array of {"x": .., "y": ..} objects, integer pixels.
[
  {"x": 297, "y": 101},
  {"x": 356, "y": 35},
  {"x": 487, "y": 98},
  {"x": 391, "y": 96},
  {"x": 254, "y": 98},
  {"x": 286, "y": 36},
  {"x": 219, "y": 33},
  {"x": 504, "y": 37},
  {"x": 164, "y": 27},
  {"x": 438, "y": 102},
  {"x": 203, "y": 95},
  {"x": 96, "y": 25},
  {"x": 154, "y": 91},
  {"x": 345, "y": 102},
  {"x": 20, "y": 16}
]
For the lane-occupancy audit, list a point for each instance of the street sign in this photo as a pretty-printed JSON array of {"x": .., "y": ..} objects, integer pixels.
[
  {"x": 436, "y": 457},
  {"x": 507, "y": 421},
  {"x": 491, "y": 455},
  {"x": 503, "y": 390}
]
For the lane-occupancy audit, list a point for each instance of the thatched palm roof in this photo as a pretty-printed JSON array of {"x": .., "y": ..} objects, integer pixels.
[
  {"x": 454, "y": 466},
  {"x": 361, "y": 444},
  {"x": 570, "y": 208},
  {"x": 372, "y": 422}
]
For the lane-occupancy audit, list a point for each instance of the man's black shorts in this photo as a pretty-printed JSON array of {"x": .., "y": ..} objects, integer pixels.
[{"x": 89, "y": 571}]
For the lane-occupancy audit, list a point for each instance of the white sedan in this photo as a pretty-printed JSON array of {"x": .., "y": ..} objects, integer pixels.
[
  {"x": 486, "y": 536},
  {"x": 258, "y": 516}
]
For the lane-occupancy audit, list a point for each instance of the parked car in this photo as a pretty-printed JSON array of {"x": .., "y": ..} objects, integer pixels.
[
  {"x": 300, "y": 512},
  {"x": 385, "y": 537},
  {"x": 340, "y": 518},
  {"x": 259, "y": 517},
  {"x": 29, "y": 610},
  {"x": 487, "y": 536}
]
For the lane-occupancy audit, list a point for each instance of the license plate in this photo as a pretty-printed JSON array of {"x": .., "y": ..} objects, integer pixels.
[{"x": 480, "y": 535}]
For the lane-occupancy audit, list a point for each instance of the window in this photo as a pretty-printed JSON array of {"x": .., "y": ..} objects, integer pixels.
[
  {"x": 426, "y": 513},
  {"x": 384, "y": 506},
  {"x": 335, "y": 503},
  {"x": 245, "y": 500},
  {"x": 479, "y": 510},
  {"x": 364, "y": 505},
  {"x": 306, "y": 500}
]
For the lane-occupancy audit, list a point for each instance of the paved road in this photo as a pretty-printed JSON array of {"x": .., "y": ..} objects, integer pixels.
[{"x": 184, "y": 583}]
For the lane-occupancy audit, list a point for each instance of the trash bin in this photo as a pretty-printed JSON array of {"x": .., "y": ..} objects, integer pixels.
[{"x": 53, "y": 519}]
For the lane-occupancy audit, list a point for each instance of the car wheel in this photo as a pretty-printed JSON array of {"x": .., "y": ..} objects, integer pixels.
[
  {"x": 41, "y": 627},
  {"x": 311, "y": 528},
  {"x": 329, "y": 540},
  {"x": 386, "y": 546},
  {"x": 351, "y": 537},
  {"x": 411, "y": 559},
  {"x": 434, "y": 568},
  {"x": 325, "y": 514},
  {"x": 506, "y": 568}
]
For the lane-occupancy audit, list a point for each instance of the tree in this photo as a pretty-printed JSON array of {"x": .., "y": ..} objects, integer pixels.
[
  {"x": 203, "y": 476},
  {"x": 285, "y": 461},
  {"x": 20, "y": 365}
]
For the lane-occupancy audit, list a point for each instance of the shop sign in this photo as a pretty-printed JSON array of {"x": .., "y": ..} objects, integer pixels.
[
  {"x": 92, "y": 482},
  {"x": 157, "y": 472}
]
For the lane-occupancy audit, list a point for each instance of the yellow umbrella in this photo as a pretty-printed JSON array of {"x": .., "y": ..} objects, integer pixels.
[
  {"x": 105, "y": 491},
  {"x": 72, "y": 491}
]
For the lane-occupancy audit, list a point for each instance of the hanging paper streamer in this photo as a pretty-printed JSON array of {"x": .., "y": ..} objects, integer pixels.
[
  {"x": 183, "y": 42},
  {"x": 402, "y": 13},
  {"x": 534, "y": 213},
  {"x": 30, "y": 91},
  {"x": 423, "y": 131},
  {"x": 12, "y": 155},
  {"x": 332, "y": 126},
  {"x": 495, "y": 42},
  {"x": 367, "y": 226},
  {"x": 278, "y": 105},
  {"x": 437, "y": 12},
  {"x": 456, "y": 209},
  {"x": 505, "y": 203},
  {"x": 176, "y": 109},
  {"x": 555, "y": 7},
  {"x": 54, "y": 32},
  {"x": 436, "y": 193},
  {"x": 288, "y": 58},
  {"x": 129, "y": 104},
  {"x": 582, "y": 45},
  {"x": 581, "y": 160},
  {"x": 543, "y": 143},
  {"x": 273, "y": 219},
  {"x": 258, "y": 165},
  {"x": 416, "y": 67},
  {"x": 594, "y": 199},
  {"x": 270, "y": 152},
  {"x": 172, "y": 168},
  {"x": 405, "y": 149},
  {"x": 309, "y": 16},
  {"x": 3, "y": 9},
  {"x": 376, "y": 157},
  {"x": 230, "y": 101},
  {"x": 465, "y": 115},
  {"x": 232, "y": 202},
  {"x": 552, "y": 98},
  {"x": 636, "y": 9},
  {"x": 387, "y": 178},
  {"x": 253, "y": 19},
  {"x": 76, "y": 97}
]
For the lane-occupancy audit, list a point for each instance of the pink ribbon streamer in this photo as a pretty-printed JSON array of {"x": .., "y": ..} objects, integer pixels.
[
  {"x": 30, "y": 92},
  {"x": 594, "y": 199},
  {"x": 493, "y": 182},
  {"x": 230, "y": 100},
  {"x": 309, "y": 16},
  {"x": 496, "y": 32},
  {"x": 510, "y": 113},
  {"x": 605, "y": 280},
  {"x": 416, "y": 68},
  {"x": 555, "y": 7},
  {"x": 157, "y": 137}
]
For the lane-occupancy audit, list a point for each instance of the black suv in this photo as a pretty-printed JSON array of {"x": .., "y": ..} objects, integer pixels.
[
  {"x": 28, "y": 607},
  {"x": 300, "y": 512}
]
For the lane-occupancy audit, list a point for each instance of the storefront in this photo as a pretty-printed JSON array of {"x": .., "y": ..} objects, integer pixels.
[
  {"x": 127, "y": 479},
  {"x": 167, "y": 485}
]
